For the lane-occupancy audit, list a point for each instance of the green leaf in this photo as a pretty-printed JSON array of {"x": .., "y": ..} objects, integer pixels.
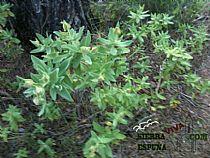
[
  {"x": 64, "y": 66},
  {"x": 102, "y": 150},
  {"x": 54, "y": 76},
  {"x": 42, "y": 111},
  {"x": 160, "y": 96},
  {"x": 86, "y": 40},
  {"x": 59, "y": 58},
  {"x": 38, "y": 50},
  {"x": 65, "y": 94},
  {"x": 66, "y": 26},
  {"x": 40, "y": 37},
  {"x": 112, "y": 36},
  {"x": 67, "y": 83},
  {"x": 113, "y": 51},
  {"x": 94, "y": 135},
  {"x": 108, "y": 151},
  {"x": 104, "y": 41},
  {"x": 105, "y": 140},
  {"x": 87, "y": 59},
  {"x": 118, "y": 135},
  {"x": 124, "y": 44},
  {"x": 80, "y": 33},
  {"x": 76, "y": 60},
  {"x": 187, "y": 56},
  {"x": 72, "y": 48},
  {"x": 39, "y": 64},
  {"x": 51, "y": 56},
  {"x": 53, "y": 93},
  {"x": 98, "y": 128}
]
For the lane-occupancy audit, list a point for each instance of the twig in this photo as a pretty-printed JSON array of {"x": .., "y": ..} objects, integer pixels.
[{"x": 9, "y": 97}]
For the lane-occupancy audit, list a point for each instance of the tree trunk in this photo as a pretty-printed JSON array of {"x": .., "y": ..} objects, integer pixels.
[{"x": 41, "y": 16}]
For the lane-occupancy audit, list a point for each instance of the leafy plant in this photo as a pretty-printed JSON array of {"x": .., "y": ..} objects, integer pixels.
[
  {"x": 46, "y": 147},
  {"x": 109, "y": 12},
  {"x": 143, "y": 65},
  {"x": 22, "y": 153},
  {"x": 139, "y": 15},
  {"x": 39, "y": 128},
  {"x": 9, "y": 44},
  {"x": 4, "y": 132},
  {"x": 5, "y": 13},
  {"x": 194, "y": 37},
  {"x": 99, "y": 144},
  {"x": 74, "y": 52},
  {"x": 13, "y": 116}
]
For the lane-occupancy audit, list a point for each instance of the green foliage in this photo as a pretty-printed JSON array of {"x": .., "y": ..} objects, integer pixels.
[
  {"x": 143, "y": 64},
  {"x": 13, "y": 117},
  {"x": 4, "y": 132},
  {"x": 111, "y": 11},
  {"x": 139, "y": 15},
  {"x": 115, "y": 97},
  {"x": 99, "y": 144},
  {"x": 177, "y": 57},
  {"x": 184, "y": 10},
  {"x": 72, "y": 61},
  {"x": 9, "y": 44},
  {"x": 46, "y": 147},
  {"x": 69, "y": 50},
  {"x": 22, "y": 153},
  {"x": 193, "y": 37},
  {"x": 39, "y": 128},
  {"x": 5, "y": 13}
]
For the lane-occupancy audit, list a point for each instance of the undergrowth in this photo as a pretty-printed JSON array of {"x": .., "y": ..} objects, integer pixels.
[
  {"x": 108, "y": 12},
  {"x": 120, "y": 71},
  {"x": 9, "y": 44},
  {"x": 10, "y": 47}
]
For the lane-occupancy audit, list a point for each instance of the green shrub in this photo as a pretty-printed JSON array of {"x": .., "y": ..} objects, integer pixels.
[
  {"x": 22, "y": 153},
  {"x": 111, "y": 11},
  {"x": 9, "y": 44},
  {"x": 13, "y": 117},
  {"x": 46, "y": 147}
]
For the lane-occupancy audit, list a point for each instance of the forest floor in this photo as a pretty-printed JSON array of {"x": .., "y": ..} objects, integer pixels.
[
  {"x": 70, "y": 137},
  {"x": 193, "y": 115}
]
